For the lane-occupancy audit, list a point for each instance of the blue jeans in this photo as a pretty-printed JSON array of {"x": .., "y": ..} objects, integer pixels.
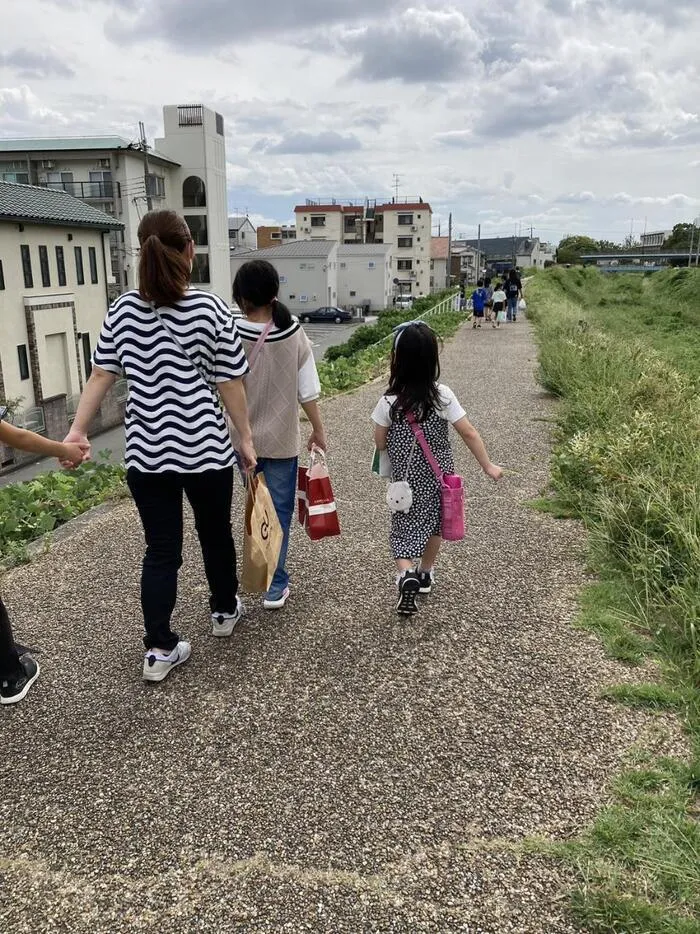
[
  {"x": 512, "y": 308},
  {"x": 281, "y": 478}
]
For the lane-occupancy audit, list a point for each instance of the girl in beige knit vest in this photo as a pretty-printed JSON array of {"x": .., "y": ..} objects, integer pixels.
[{"x": 283, "y": 376}]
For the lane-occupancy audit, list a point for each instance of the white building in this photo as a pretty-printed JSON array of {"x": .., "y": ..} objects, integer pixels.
[
  {"x": 501, "y": 253},
  {"x": 308, "y": 271},
  {"x": 54, "y": 278},
  {"x": 242, "y": 234},
  {"x": 186, "y": 172},
  {"x": 406, "y": 226},
  {"x": 655, "y": 238},
  {"x": 365, "y": 276}
]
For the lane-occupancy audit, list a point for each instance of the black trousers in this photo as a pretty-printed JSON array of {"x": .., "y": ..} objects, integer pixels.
[
  {"x": 158, "y": 498},
  {"x": 9, "y": 656}
]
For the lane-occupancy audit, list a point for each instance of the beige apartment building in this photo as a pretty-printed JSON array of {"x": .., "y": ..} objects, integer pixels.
[
  {"x": 403, "y": 224},
  {"x": 54, "y": 280}
]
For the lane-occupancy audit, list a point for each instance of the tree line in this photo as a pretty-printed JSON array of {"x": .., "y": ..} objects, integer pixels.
[{"x": 572, "y": 248}]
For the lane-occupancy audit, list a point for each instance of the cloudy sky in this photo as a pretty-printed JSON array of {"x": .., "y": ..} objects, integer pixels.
[{"x": 573, "y": 116}]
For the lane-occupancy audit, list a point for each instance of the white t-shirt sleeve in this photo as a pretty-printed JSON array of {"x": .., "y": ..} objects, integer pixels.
[
  {"x": 106, "y": 356},
  {"x": 451, "y": 410},
  {"x": 309, "y": 383},
  {"x": 382, "y": 413}
]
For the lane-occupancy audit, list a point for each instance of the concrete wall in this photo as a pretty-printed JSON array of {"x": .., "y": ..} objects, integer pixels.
[
  {"x": 365, "y": 278},
  {"x": 40, "y": 315},
  {"x": 332, "y": 229}
]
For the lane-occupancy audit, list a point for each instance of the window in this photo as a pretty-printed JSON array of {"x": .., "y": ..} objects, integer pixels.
[
  {"x": 275, "y": 236},
  {"x": 23, "y": 361},
  {"x": 198, "y": 228},
  {"x": 27, "y": 266},
  {"x": 353, "y": 294},
  {"x": 92, "y": 258},
  {"x": 219, "y": 124},
  {"x": 200, "y": 268},
  {"x": 405, "y": 220},
  {"x": 371, "y": 264},
  {"x": 343, "y": 265},
  {"x": 350, "y": 224},
  {"x": 44, "y": 266},
  {"x": 404, "y": 264},
  {"x": 60, "y": 265},
  {"x": 194, "y": 192},
  {"x": 318, "y": 220},
  {"x": 155, "y": 186},
  {"x": 99, "y": 186},
  {"x": 20, "y": 178},
  {"x": 87, "y": 355},
  {"x": 79, "y": 271},
  {"x": 2, "y": 277},
  {"x": 190, "y": 115},
  {"x": 405, "y": 241},
  {"x": 291, "y": 297}
]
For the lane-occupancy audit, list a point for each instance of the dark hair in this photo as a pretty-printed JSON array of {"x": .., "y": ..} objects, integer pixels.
[
  {"x": 415, "y": 371},
  {"x": 256, "y": 285},
  {"x": 513, "y": 275},
  {"x": 164, "y": 269},
  {"x": 480, "y": 283},
  {"x": 487, "y": 281}
]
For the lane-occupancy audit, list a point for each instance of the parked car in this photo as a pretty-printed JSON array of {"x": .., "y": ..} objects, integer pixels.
[
  {"x": 326, "y": 313},
  {"x": 404, "y": 301}
]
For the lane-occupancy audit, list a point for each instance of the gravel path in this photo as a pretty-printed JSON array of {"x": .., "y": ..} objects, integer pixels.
[{"x": 331, "y": 768}]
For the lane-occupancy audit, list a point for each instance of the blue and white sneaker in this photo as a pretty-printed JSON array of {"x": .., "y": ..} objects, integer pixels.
[
  {"x": 223, "y": 624},
  {"x": 272, "y": 602},
  {"x": 158, "y": 665}
]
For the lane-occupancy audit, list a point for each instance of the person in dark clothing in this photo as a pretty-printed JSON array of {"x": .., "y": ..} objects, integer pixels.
[
  {"x": 514, "y": 292},
  {"x": 18, "y": 669}
]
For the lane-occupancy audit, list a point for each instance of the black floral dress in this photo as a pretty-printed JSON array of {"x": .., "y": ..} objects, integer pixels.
[{"x": 410, "y": 531}]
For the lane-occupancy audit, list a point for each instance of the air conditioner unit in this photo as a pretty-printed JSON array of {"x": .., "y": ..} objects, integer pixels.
[
  {"x": 103, "y": 163},
  {"x": 412, "y": 274},
  {"x": 48, "y": 164}
]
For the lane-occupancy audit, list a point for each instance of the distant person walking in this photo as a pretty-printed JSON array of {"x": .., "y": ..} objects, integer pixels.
[
  {"x": 479, "y": 297},
  {"x": 283, "y": 376},
  {"x": 176, "y": 346},
  {"x": 18, "y": 669},
  {"x": 489, "y": 297},
  {"x": 414, "y": 392},
  {"x": 514, "y": 292},
  {"x": 499, "y": 305}
]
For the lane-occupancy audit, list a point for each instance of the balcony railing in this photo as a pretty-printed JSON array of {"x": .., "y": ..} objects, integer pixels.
[{"x": 85, "y": 191}]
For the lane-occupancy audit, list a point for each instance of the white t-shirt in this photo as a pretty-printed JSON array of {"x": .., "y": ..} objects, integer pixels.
[
  {"x": 450, "y": 409},
  {"x": 499, "y": 296}
]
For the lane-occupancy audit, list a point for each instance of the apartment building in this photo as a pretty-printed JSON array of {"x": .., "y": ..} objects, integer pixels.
[
  {"x": 403, "y": 224},
  {"x": 275, "y": 236},
  {"x": 500, "y": 253},
  {"x": 308, "y": 271},
  {"x": 54, "y": 281},
  {"x": 185, "y": 170}
]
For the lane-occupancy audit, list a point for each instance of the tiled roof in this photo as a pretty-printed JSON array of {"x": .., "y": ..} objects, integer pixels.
[
  {"x": 47, "y": 206},
  {"x": 304, "y": 249},
  {"x": 75, "y": 144},
  {"x": 318, "y": 208},
  {"x": 363, "y": 249},
  {"x": 439, "y": 247}
]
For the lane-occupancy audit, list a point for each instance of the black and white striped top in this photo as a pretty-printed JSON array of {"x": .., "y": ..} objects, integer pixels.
[{"x": 173, "y": 420}]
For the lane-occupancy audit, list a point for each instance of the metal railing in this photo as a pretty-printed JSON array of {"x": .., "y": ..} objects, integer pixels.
[{"x": 85, "y": 191}]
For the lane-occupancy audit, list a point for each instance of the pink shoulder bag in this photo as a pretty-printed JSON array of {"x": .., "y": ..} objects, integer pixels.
[{"x": 451, "y": 489}]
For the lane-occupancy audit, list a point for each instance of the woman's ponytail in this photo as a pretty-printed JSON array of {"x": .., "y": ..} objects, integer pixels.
[
  {"x": 281, "y": 315},
  {"x": 164, "y": 267}
]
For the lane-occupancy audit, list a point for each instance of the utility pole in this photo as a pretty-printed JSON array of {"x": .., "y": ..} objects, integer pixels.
[
  {"x": 449, "y": 253},
  {"x": 697, "y": 252},
  {"x": 690, "y": 251},
  {"x": 143, "y": 146},
  {"x": 478, "y": 253}
]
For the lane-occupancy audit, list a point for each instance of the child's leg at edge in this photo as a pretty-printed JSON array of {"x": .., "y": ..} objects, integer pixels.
[
  {"x": 427, "y": 561},
  {"x": 9, "y": 656}
]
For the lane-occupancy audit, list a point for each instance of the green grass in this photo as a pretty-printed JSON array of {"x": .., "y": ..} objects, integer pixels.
[{"x": 622, "y": 353}]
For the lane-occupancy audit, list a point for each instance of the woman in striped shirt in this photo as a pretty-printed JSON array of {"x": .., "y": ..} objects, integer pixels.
[{"x": 176, "y": 346}]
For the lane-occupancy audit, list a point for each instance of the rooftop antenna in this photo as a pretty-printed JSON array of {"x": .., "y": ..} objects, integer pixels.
[{"x": 396, "y": 182}]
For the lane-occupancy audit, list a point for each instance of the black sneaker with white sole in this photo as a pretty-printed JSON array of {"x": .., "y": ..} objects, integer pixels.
[
  {"x": 409, "y": 585},
  {"x": 426, "y": 580},
  {"x": 13, "y": 690}
]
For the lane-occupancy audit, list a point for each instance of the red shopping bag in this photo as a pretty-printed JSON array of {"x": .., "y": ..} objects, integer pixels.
[{"x": 316, "y": 500}]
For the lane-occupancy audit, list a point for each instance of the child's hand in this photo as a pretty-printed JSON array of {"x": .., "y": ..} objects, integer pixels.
[
  {"x": 74, "y": 454},
  {"x": 494, "y": 471}
]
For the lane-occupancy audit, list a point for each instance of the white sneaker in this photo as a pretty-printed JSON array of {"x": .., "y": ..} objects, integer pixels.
[
  {"x": 223, "y": 624},
  {"x": 278, "y": 603},
  {"x": 158, "y": 665}
]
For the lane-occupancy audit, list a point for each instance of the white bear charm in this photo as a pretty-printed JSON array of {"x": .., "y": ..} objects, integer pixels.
[{"x": 399, "y": 496}]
